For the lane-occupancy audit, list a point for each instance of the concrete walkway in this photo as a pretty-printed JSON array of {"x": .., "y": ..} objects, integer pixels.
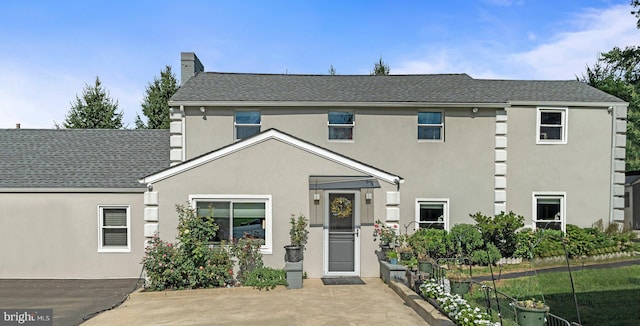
[{"x": 315, "y": 304}]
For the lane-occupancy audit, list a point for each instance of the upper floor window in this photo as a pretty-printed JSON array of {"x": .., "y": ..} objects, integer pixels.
[
  {"x": 247, "y": 124},
  {"x": 552, "y": 126},
  {"x": 237, "y": 216},
  {"x": 432, "y": 213},
  {"x": 430, "y": 126},
  {"x": 341, "y": 124},
  {"x": 549, "y": 211},
  {"x": 114, "y": 228}
]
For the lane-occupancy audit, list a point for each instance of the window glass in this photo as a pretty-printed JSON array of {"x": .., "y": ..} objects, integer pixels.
[
  {"x": 247, "y": 124},
  {"x": 235, "y": 219},
  {"x": 551, "y": 125},
  {"x": 341, "y": 125},
  {"x": 114, "y": 228},
  {"x": 430, "y": 125},
  {"x": 431, "y": 215},
  {"x": 549, "y": 212}
]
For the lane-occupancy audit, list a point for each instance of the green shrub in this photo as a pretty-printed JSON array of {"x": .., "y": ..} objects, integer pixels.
[
  {"x": 500, "y": 230},
  {"x": 487, "y": 256},
  {"x": 266, "y": 278},
  {"x": 247, "y": 252},
  {"x": 429, "y": 242},
  {"x": 464, "y": 239},
  {"x": 190, "y": 263}
]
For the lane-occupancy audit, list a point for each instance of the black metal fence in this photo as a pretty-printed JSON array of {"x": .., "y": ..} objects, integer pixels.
[{"x": 498, "y": 305}]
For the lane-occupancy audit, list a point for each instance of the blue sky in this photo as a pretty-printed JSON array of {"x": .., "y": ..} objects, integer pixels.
[{"x": 49, "y": 50}]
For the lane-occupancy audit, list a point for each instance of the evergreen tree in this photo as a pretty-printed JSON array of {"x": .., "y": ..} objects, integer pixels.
[
  {"x": 94, "y": 110},
  {"x": 155, "y": 105},
  {"x": 380, "y": 68},
  {"x": 332, "y": 71}
]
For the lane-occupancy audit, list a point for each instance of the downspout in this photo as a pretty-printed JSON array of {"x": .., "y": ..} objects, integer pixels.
[{"x": 612, "y": 171}]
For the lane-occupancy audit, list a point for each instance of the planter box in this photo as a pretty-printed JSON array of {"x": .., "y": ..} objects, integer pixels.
[{"x": 390, "y": 272}]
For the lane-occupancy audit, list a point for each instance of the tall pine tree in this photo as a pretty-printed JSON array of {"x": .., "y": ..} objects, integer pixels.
[
  {"x": 155, "y": 105},
  {"x": 94, "y": 110},
  {"x": 380, "y": 68}
]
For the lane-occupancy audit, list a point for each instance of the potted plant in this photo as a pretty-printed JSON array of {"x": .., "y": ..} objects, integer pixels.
[
  {"x": 392, "y": 255},
  {"x": 298, "y": 234},
  {"x": 459, "y": 281},
  {"x": 388, "y": 237},
  {"x": 531, "y": 312}
]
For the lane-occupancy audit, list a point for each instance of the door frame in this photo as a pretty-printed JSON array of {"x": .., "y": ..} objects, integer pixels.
[{"x": 356, "y": 240}]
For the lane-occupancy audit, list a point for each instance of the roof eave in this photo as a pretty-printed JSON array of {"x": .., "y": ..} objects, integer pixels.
[{"x": 333, "y": 104}]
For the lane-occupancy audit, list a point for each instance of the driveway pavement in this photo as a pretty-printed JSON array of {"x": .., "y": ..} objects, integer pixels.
[
  {"x": 374, "y": 303},
  {"x": 71, "y": 300}
]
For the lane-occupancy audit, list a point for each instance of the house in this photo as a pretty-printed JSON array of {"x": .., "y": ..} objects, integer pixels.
[{"x": 345, "y": 151}]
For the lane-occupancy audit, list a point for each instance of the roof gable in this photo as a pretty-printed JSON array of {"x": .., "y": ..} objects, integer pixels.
[{"x": 273, "y": 134}]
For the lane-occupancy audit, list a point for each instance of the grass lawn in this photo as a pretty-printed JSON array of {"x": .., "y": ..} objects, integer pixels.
[{"x": 606, "y": 297}]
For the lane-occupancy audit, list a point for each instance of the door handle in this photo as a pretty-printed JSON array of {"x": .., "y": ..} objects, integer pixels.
[{"x": 357, "y": 232}]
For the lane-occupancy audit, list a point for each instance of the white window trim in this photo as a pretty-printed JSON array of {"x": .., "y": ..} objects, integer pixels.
[
  {"x": 101, "y": 248},
  {"x": 565, "y": 125},
  {"x": 444, "y": 201},
  {"x": 236, "y": 125},
  {"x": 267, "y": 248},
  {"x": 352, "y": 125},
  {"x": 562, "y": 195},
  {"x": 441, "y": 125}
]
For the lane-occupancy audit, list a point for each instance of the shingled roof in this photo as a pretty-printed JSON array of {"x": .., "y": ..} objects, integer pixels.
[
  {"x": 451, "y": 88},
  {"x": 80, "y": 158}
]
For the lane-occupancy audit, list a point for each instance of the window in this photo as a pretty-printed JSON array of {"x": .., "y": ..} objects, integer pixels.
[
  {"x": 114, "y": 229},
  {"x": 549, "y": 211},
  {"x": 341, "y": 125},
  {"x": 627, "y": 202},
  {"x": 237, "y": 216},
  {"x": 430, "y": 126},
  {"x": 247, "y": 124},
  {"x": 432, "y": 213},
  {"x": 552, "y": 126}
]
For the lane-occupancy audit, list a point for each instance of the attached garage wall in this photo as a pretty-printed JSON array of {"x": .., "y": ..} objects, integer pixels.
[{"x": 55, "y": 235}]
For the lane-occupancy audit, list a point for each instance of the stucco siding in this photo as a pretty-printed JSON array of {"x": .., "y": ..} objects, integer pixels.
[
  {"x": 55, "y": 235},
  {"x": 581, "y": 167},
  {"x": 459, "y": 168},
  {"x": 268, "y": 168}
]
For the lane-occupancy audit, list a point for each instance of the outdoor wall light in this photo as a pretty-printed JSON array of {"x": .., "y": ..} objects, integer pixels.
[
  {"x": 203, "y": 110},
  {"x": 474, "y": 110}
]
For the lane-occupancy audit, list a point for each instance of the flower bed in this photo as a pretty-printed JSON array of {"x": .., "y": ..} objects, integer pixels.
[{"x": 455, "y": 306}]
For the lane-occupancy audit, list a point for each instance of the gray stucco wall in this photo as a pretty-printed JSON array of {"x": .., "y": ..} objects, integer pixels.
[
  {"x": 581, "y": 167},
  {"x": 387, "y": 139},
  {"x": 269, "y": 168},
  {"x": 55, "y": 235}
]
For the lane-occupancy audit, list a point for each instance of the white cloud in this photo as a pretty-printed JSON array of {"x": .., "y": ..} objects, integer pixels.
[
  {"x": 561, "y": 56},
  {"x": 567, "y": 54}
]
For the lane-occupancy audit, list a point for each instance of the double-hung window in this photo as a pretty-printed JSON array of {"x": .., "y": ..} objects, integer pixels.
[
  {"x": 549, "y": 210},
  {"x": 114, "y": 229},
  {"x": 237, "y": 216},
  {"x": 430, "y": 126},
  {"x": 341, "y": 125},
  {"x": 247, "y": 124},
  {"x": 432, "y": 213},
  {"x": 551, "y": 126}
]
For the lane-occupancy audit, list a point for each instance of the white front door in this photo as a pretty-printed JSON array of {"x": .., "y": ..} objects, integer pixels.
[{"x": 342, "y": 233}]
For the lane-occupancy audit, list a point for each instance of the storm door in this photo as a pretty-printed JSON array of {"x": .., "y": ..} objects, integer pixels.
[{"x": 342, "y": 233}]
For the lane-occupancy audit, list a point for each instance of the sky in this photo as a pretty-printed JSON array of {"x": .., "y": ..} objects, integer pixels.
[{"x": 51, "y": 50}]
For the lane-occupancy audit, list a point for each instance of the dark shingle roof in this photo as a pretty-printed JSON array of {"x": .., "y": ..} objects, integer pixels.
[
  {"x": 452, "y": 88},
  {"x": 80, "y": 158}
]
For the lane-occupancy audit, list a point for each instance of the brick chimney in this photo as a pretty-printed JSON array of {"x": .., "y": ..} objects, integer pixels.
[
  {"x": 17, "y": 126},
  {"x": 190, "y": 65}
]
